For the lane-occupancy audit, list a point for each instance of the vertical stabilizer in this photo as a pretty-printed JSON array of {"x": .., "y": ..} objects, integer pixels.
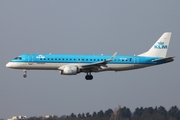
[{"x": 159, "y": 49}]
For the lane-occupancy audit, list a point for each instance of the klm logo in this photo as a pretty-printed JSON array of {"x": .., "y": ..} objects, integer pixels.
[
  {"x": 40, "y": 56},
  {"x": 160, "y": 46}
]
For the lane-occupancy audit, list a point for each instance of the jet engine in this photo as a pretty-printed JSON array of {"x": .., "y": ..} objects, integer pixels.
[{"x": 70, "y": 70}]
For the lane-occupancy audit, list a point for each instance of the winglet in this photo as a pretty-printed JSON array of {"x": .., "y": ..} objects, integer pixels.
[{"x": 110, "y": 59}]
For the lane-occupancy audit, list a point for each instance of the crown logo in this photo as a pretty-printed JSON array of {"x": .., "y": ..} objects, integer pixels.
[{"x": 160, "y": 43}]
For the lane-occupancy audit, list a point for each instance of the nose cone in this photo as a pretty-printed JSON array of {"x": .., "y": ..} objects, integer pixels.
[{"x": 8, "y": 65}]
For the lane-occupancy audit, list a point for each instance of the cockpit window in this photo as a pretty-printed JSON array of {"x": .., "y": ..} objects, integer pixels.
[{"x": 18, "y": 58}]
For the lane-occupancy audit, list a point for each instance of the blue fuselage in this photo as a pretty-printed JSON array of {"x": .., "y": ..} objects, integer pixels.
[{"x": 54, "y": 61}]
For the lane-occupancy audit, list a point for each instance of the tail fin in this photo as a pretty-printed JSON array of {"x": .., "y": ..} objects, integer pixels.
[{"x": 159, "y": 49}]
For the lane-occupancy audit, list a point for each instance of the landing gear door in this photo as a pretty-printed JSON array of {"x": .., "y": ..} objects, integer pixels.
[{"x": 30, "y": 60}]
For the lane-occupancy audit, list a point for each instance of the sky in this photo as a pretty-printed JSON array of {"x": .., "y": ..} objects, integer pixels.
[{"x": 86, "y": 27}]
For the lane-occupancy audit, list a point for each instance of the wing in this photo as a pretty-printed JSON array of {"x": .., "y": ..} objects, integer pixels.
[{"x": 97, "y": 65}]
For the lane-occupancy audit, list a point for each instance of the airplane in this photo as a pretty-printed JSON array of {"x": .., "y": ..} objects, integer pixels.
[{"x": 75, "y": 64}]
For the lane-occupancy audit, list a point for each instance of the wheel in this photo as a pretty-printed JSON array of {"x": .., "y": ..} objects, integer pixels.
[
  {"x": 25, "y": 73},
  {"x": 25, "y": 76},
  {"x": 88, "y": 77}
]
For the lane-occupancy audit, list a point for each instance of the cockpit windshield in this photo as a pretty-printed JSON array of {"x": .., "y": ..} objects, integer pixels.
[{"x": 18, "y": 58}]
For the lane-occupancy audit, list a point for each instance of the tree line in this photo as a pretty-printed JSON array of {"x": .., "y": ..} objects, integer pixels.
[{"x": 124, "y": 113}]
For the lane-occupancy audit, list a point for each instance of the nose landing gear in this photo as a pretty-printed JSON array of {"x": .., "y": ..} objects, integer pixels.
[
  {"x": 88, "y": 76},
  {"x": 25, "y": 73}
]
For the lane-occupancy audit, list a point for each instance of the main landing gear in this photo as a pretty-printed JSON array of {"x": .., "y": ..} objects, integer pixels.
[
  {"x": 25, "y": 73},
  {"x": 88, "y": 76}
]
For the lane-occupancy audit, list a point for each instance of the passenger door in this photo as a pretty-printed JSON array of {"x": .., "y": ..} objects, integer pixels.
[
  {"x": 136, "y": 61},
  {"x": 30, "y": 59}
]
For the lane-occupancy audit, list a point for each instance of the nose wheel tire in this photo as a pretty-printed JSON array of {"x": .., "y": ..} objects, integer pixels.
[
  {"x": 25, "y": 76},
  {"x": 25, "y": 73}
]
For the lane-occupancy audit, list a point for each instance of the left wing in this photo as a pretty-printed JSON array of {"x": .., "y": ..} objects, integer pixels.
[{"x": 97, "y": 65}]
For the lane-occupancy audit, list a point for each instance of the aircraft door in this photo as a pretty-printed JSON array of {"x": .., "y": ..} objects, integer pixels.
[
  {"x": 136, "y": 61},
  {"x": 30, "y": 59}
]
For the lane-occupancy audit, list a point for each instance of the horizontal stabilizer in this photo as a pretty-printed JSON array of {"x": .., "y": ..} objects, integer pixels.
[{"x": 167, "y": 59}]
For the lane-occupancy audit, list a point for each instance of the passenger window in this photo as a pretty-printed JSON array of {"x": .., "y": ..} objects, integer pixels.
[
  {"x": 51, "y": 58},
  {"x": 86, "y": 59},
  {"x": 44, "y": 58}
]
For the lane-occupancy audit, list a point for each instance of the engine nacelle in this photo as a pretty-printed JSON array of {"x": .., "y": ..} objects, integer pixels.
[{"x": 70, "y": 70}]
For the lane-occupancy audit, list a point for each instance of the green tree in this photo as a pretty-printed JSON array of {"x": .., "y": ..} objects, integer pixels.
[
  {"x": 79, "y": 115},
  {"x": 149, "y": 110},
  {"x": 108, "y": 113},
  {"x": 88, "y": 115},
  {"x": 125, "y": 113},
  {"x": 72, "y": 116},
  {"x": 162, "y": 111},
  {"x": 100, "y": 113},
  {"x": 138, "y": 111},
  {"x": 174, "y": 113},
  {"x": 94, "y": 114},
  {"x": 83, "y": 115}
]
